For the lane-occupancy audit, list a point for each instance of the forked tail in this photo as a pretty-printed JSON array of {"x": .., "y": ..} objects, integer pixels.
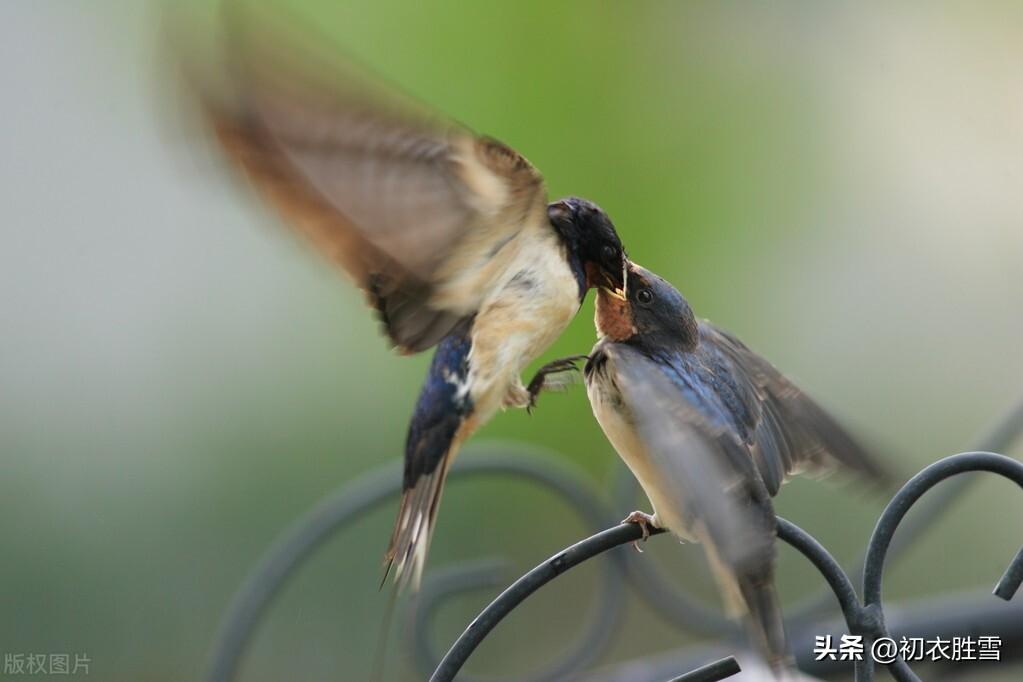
[
  {"x": 441, "y": 421},
  {"x": 750, "y": 594}
]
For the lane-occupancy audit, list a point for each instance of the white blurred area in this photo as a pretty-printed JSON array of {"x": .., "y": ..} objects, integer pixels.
[
  {"x": 899, "y": 291},
  {"x": 134, "y": 279},
  {"x": 926, "y": 130}
]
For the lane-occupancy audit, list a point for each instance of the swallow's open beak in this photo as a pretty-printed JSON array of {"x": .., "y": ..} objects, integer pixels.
[
  {"x": 614, "y": 290},
  {"x": 615, "y": 283}
]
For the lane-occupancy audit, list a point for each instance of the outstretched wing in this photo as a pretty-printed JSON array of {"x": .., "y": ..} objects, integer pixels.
[
  {"x": 419, "y": 210},
  {"x": 708, "y": 477},
  {"x": 787, "y": 431}
]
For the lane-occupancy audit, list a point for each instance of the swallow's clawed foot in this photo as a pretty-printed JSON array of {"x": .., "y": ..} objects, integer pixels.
[
  {"x": 542, "y": 379},
  {"x": 645, "y": 522}
]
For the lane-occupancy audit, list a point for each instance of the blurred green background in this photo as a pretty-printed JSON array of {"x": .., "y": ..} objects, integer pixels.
[{"x": 837, "y": 183}]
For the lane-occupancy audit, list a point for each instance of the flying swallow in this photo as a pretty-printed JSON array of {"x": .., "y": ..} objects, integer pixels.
[
  {"x": 710, "y": 430},
  {"x": 448, "y": 233}
]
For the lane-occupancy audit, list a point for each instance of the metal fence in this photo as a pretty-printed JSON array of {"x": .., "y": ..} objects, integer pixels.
[{"x": 863, "y": 618}]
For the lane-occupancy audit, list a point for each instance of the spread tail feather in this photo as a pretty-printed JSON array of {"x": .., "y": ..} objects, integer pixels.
[
  {"x": 441, "y": 421},
  {"x": 413, "y": 530}
]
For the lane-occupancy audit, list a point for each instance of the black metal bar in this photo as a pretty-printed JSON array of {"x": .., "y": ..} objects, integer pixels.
[
  {"x": 866, "y": 620},
  {"x": 527, "y": 585},
  {"x": 521, "y": 589},
  {"x": 712, "y": 672},
  {"x": 821, "y": 558},
  {"x": 999, "y": 437},
  {"x": 881, "y": 538},
  {"x": 293, "y": 547},
  {"x": 309, "y": 533},
  {"x": 599, "y": 626},
  {"x": 661, "y": 593},
  {"x": 601, "y": 622},
  {"x": 304, "y": 537},
  {"x": 1011, "y": 579},
  {"x": 945, "y": 617},
  {"x": 965, "y": 613},
  {"x": 836, "y": 578},
  {"x": 439, "y": 587}
]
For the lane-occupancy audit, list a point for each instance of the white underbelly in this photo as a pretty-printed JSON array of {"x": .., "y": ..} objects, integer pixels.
[
  {"x": 519, "y": 322},
  {"x": 666, "y": 502}
]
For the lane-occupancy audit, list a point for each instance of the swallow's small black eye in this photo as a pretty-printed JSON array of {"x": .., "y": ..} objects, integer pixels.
[
  {"x": 644, "y": 296},
  {"x": 609, "y": 252}
]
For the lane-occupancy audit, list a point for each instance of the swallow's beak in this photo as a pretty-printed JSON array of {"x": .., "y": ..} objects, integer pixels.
[
  {"x": 615, "y": 282},
  {"x": 559, "y": 212}
]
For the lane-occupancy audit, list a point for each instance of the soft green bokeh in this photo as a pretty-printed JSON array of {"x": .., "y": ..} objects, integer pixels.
[{"x": 180, "y": 378}]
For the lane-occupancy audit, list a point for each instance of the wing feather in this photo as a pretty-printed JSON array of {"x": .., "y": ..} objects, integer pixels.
[
  {"x": 788, "y": 432},
  {"x": 412, "y": 205}
]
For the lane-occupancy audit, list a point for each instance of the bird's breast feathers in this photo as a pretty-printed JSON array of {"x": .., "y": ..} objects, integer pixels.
[
  {"x": 536, "y": 299},
  {"x": 479, "y": 265},
  {"x": 615, "y": 420}
]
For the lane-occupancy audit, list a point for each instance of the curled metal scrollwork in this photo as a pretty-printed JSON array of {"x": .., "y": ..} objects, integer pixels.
[
  {"x": 354, "y": 500},
  {"x": 881, "y": 540},
  {"x": 598, "y": 628},
  {"x": 865, "y": 620},
  {"x": 669, "y": 598}
]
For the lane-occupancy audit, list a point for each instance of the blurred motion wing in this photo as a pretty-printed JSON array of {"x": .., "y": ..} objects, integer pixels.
[
  {"x": 420, "y": 211},
  {"x": 788, "y": 432}
]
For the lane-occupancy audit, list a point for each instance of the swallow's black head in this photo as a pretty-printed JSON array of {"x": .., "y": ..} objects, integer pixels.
[
  {"x": 652, "y": 312},
  {"x": 590, "y": 235}
]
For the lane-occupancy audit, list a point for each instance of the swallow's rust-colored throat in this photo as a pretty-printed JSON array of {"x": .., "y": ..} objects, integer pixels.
[{"x": 614, "y": 316}]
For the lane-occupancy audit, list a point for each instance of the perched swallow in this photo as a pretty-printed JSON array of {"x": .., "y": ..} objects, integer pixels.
[
  {"x": 448, "y": 233},
  {"x": 711, "y": 430}
]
